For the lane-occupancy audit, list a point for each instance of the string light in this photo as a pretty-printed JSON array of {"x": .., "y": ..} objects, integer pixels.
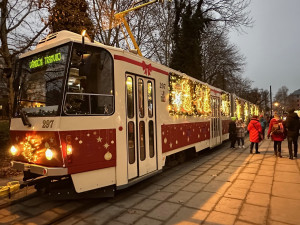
[
  {"x": 225, "y": 105},
  {"x": 188, "y": 97}
]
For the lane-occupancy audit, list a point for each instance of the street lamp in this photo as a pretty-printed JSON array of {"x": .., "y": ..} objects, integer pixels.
[{"x": 276, "y": 104}]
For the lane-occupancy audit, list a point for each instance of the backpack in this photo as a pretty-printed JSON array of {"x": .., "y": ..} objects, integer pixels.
[{"x": 277, "y": 128}]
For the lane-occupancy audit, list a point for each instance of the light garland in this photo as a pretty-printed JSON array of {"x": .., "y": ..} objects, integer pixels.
[
  {"x": 225, "y": 105},
  {"x": 188, "y": 97}
]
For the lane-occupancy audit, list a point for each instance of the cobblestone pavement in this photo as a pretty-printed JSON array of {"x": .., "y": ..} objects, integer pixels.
[{"x": 224, "y": 187}]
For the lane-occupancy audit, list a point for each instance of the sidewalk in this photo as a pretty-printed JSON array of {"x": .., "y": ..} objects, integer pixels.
[{"x": 225, "y": 187}]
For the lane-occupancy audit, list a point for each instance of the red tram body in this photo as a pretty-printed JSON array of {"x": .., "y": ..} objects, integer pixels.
[{"x": 102, "y": 118}]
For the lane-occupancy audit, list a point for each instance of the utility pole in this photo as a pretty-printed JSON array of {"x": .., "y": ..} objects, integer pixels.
[{"x": 271, "y": 99}]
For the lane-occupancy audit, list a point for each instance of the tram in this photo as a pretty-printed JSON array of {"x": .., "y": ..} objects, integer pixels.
[{"x": 91, "y": 118}]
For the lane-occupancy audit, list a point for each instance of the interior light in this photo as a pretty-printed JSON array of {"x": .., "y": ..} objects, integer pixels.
[
  {"x": 13, "y": 150},
  {"x": 49, "y": 154}
]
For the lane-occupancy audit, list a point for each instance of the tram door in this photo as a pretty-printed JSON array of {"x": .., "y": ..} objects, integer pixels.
[
  {"x": 215, "y": 121},
  {"x": 141, "y": 130}
]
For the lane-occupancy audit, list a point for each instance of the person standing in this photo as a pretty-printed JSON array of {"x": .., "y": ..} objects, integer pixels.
[
  {"x": 263, "y": 124},
  {"x": 240, "y": 133},
  {"x": 276, "y": 131},
  {"x": 254, "y": 129},
  {"x": 292, "y": 126},
  {"x": 232, "y": 132}
]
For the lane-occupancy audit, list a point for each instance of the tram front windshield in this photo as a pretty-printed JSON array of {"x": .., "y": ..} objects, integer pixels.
[{"x": 41, "y": 82}]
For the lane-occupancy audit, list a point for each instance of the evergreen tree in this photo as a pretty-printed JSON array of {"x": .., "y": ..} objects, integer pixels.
[
  {"x": 186, "y": 56},
  {"x": 71, "y": 15}
]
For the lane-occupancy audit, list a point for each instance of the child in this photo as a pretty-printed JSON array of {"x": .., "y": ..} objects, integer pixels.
[{"x": 240, "y": 133}]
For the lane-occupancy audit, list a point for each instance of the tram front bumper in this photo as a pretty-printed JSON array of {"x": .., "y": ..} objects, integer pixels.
[{"x": 40, "y": 170}]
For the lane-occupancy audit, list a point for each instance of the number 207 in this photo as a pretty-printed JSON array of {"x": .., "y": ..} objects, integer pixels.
[{"x": 47, "y": 123}]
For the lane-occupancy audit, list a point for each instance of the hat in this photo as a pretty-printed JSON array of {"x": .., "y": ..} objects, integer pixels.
[{"x": 233, "y": 118}]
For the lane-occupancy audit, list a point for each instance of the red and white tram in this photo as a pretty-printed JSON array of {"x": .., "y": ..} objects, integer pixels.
[{"x": 99, "y": 118}]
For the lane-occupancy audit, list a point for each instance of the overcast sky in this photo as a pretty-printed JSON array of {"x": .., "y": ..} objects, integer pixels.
[{"x": 272, "y": 46}]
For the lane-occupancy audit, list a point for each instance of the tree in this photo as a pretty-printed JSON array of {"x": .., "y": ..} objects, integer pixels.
[
  {"x": 282, "y": 97},
  {"x": 72, "y": 15},
  {"x": 22, "y": 22}
]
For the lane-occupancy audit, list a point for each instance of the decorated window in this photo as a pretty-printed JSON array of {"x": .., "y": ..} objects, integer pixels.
[
  {"x": 238, "y": 108},
  {"x": 246, "y": 111},
  {"x": 225, "y": 106},
  {"x": 188, "y": 97}
]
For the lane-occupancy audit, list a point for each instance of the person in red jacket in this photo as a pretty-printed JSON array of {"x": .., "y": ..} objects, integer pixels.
[
  {"x": 276, "y": 131},
  {"x": 255, "y": 130}
]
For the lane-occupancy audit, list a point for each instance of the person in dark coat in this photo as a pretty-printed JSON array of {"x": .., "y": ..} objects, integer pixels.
[
  {"x": 292, "y": 126},
  {"x": 276, "y": 131},
  {"x": 263, "y": 124},
  {"x": 232, "y": 132},
  {"x": 254, "y": 129}
]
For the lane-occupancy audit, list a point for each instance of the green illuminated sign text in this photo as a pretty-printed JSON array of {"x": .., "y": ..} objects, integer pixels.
[{"x": 44, "y": 61}]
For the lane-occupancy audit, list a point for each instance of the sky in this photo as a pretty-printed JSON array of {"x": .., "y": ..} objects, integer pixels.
[{"x": 272, "y": 46}]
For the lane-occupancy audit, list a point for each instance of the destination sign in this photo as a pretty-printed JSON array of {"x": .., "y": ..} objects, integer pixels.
[{"x": 45, "y": 60}]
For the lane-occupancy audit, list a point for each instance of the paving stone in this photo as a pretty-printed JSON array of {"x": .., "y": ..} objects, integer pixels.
[
  {"x": 164, "y": 211},
  {"x": 266, "y": 167},
  {"x": 148, "y": 221},
  {"x": 261, "y": 188},
  {"x": 188, "y": 216},
  {"x": 189, "y": 177},
  {"x": 255, "y": 198},
  {"x": 287, "y": 168},
  {"x": 151, "y": 189},
  {"x": 246, "y": 176},
  {"x": 162, "y": 195},
  {"x": 287, "y": 177},
  {"x": 263, "y": 179},
  {"x": 226, "y": 177},
  {"x": 69, "y": 221},
  {"x": 235, "y": 192},
  {"x": 219, "y": 218},
  {"x": 107, "y": 214},
  {"x": 9, "y": 219},
  {"x": 181, "y": 182},
  {"x": 204, "y": 200},
  {"x": 147, "y": 204},
  {"x": 181, "y": 197},
  {"x": 217, "y": 186},
  {"x": 254, "y": 214},
  {"x": 229, "y": 205},
  {"x": 242, "y": 183},
  {"x": 42, "y": 218},
  {"x": 172, "y": 188},
  {"x": 243, "y": 223},
  {"x": 250, "y": 170},
  {"x": 269, "y": 173},
  {"x": 285, "y": 210},
  {"x": 204, "y": 178},
  {"x": 286, "y": 190},
  {"x": 130, "y": 216},
  {"x": 194, "y": 187}
]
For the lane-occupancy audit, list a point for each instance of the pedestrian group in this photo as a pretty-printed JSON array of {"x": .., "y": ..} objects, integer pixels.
[{"x": 278, "y": 131}]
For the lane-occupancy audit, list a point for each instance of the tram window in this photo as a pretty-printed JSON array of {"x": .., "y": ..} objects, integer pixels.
[
  {"x": 150, "y": 98},
  {"x": 90, "y": 82},
  {"x": 151, "y": 139},
  {"x": 130, "y": 98},
  {"x": 141, "y": 97},
  {"x": 131, "y": 142},
  {"x": 142, "y": 140}
]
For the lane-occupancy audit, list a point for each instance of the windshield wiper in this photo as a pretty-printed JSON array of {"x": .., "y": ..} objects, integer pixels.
[{"x": 24, "y": 118}]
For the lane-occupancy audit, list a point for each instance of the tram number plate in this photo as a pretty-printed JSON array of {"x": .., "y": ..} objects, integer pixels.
[{"x": 47, "y": 123}]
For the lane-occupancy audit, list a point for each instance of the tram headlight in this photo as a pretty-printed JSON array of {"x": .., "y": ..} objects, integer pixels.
[
  {"x": 13, "y": 150},
  {"x": 69, "y": 150},
  {"x": 49, "y": 154}
]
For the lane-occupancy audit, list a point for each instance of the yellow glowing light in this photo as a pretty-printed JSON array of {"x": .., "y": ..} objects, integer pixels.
[
  {"x": 13, "y": 150},
  {"x": 49, "y": 154},
  {"x": 69, "y": 150},
  {"x": 83, "y": 32}
]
